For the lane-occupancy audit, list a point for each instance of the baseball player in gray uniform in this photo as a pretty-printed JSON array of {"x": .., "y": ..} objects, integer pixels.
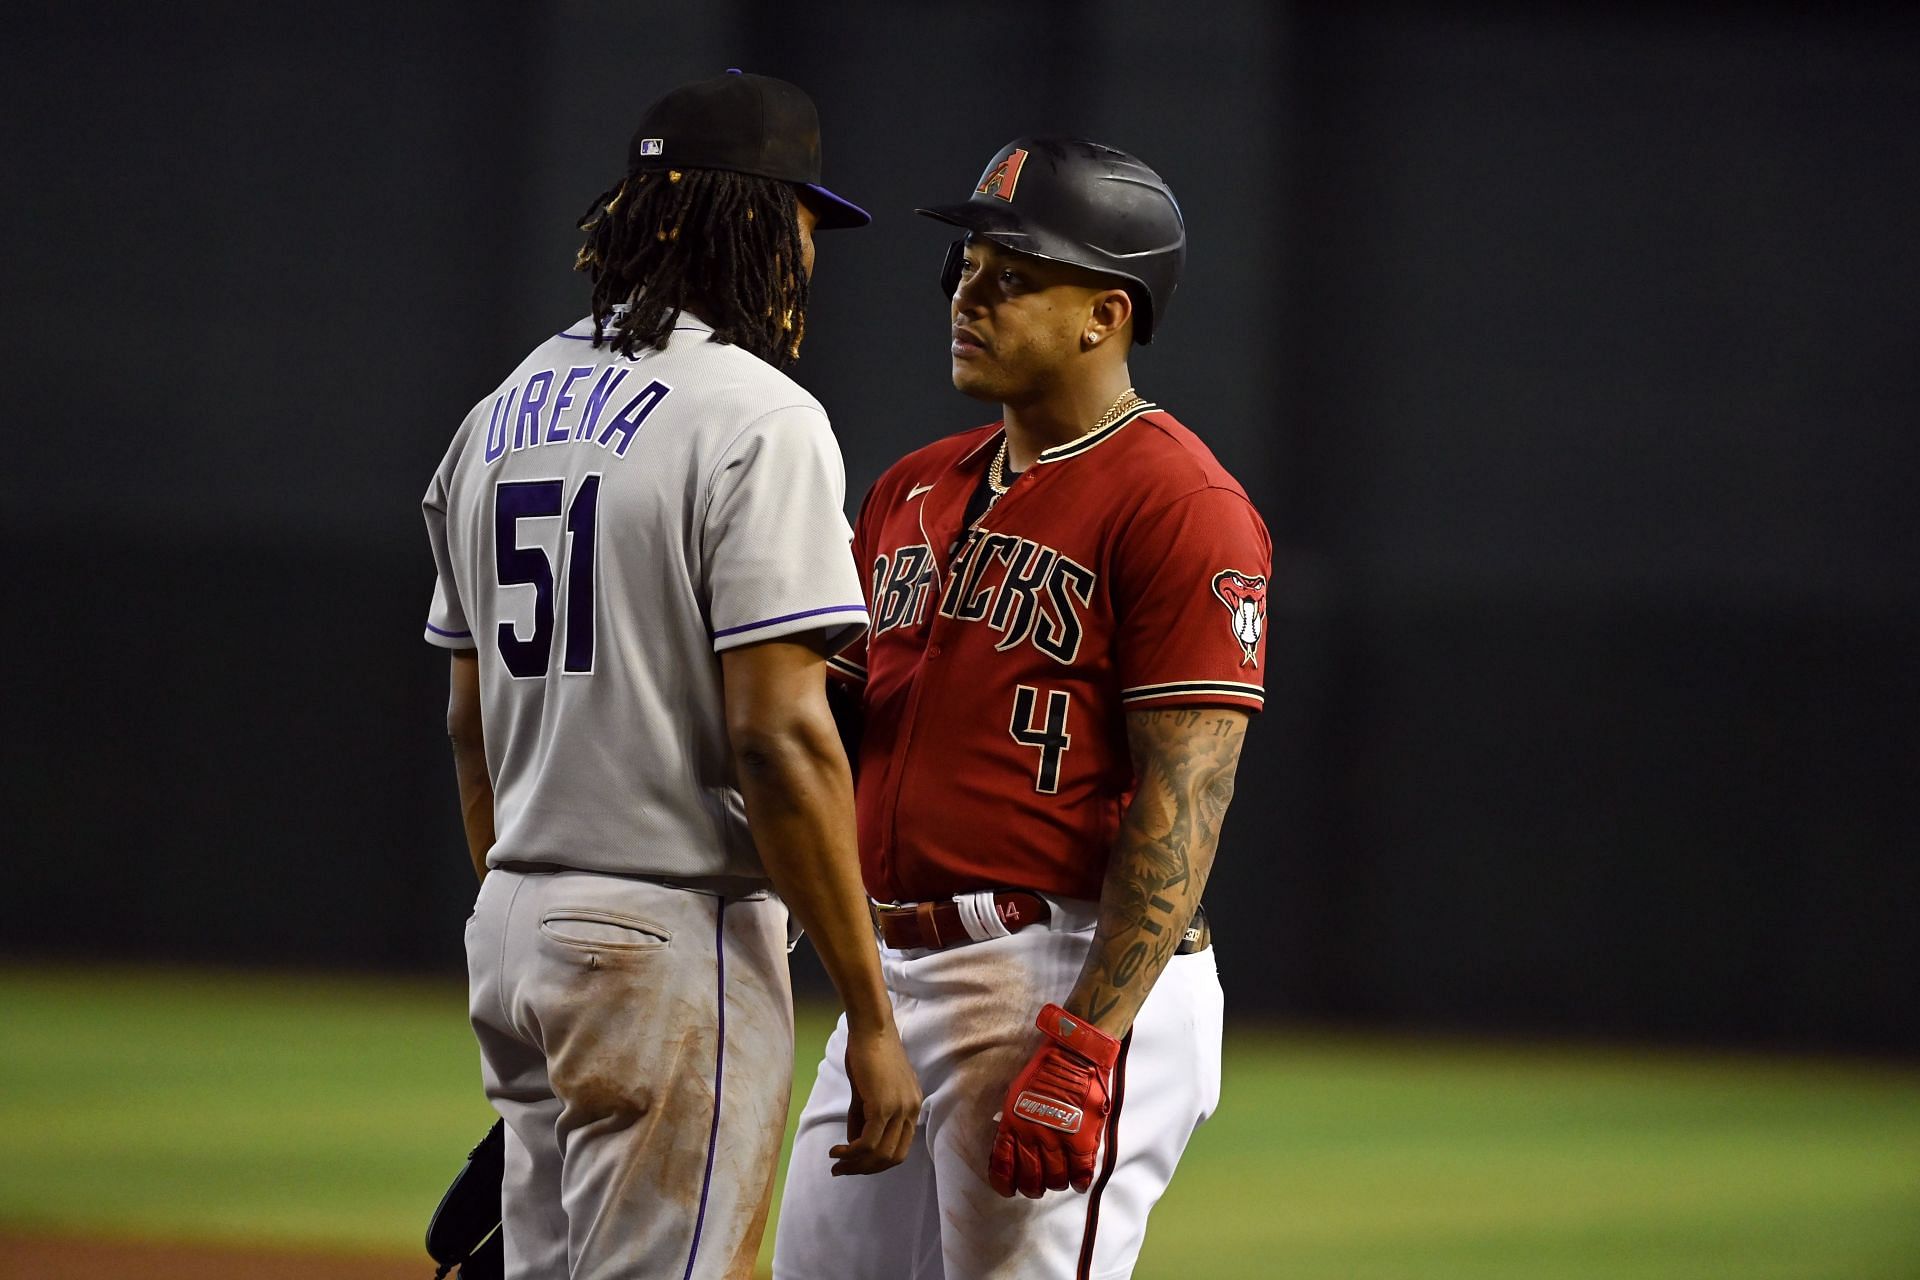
[{"x": 642, "y": 564}]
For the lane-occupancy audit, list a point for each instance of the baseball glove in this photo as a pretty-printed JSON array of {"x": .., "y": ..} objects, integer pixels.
[{"x": 464, "y": 1232}]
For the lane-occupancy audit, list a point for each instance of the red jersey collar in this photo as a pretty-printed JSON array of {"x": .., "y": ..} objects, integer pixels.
[{"x": 1061, "y": 452}]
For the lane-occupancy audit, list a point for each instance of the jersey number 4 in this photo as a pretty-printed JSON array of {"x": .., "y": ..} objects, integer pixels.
[
  {"x": 518, "y": 566},
  {"x": 1050, "y": 736}
]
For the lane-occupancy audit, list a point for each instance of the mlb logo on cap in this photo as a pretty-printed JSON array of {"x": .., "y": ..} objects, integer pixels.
[{"x": 737, "y": 123}]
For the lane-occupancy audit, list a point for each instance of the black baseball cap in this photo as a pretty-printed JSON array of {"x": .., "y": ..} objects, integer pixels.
[{"x": 744, "y": 124}]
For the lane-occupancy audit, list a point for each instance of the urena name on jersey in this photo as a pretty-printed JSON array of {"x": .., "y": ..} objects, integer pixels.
[{"x": 516, "y": 426}]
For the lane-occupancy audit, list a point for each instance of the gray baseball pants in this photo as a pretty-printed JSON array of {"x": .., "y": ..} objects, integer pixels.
[{"x": 638, "y": 1041}]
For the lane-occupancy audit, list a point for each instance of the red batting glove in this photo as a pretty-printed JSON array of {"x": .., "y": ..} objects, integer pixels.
[{"x": 1056, "y": 1110}]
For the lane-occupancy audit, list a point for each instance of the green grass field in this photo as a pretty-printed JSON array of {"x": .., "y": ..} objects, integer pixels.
[{"x": 330, "y": 1113}]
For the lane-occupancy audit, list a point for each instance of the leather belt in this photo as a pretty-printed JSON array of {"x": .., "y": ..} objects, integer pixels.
[
  {"x": 970, "y": 917},
  {"x": 976, "y": 917}
]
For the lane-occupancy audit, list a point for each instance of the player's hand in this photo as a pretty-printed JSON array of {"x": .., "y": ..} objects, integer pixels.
[
  {"x": 1056, "y": 1110},
  {"x": 886, "y": 1104}
]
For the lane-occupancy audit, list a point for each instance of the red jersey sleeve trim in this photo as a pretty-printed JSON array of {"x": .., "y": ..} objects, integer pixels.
[
  {"x": 847, "y": 669},
  {"x": 1196, "y": 691}
]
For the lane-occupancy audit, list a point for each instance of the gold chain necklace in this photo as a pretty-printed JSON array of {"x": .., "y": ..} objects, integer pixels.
[{"x": 1124, "y": 404}]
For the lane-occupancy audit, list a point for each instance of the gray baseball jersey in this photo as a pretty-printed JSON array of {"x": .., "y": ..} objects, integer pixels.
[{"x": 603, "y": 528}]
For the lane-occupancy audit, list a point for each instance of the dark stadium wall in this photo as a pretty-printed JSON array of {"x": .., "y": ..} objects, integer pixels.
[
  {"x": 1570, "y": 358},
  {"x": 1600, "y": 385}
]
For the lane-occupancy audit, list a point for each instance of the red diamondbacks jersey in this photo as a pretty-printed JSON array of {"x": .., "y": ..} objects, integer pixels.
[{"x": 1124, "y": 571}]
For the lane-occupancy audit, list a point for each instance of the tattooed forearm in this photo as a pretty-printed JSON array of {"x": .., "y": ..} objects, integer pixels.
[{"x": 1184, "y": 763}]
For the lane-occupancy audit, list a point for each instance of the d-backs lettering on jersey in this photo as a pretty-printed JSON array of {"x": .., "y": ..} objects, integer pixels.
[
  {"x": 1004, "y": 659},
  {"x": 900, "y": 584},
  {"x": 1024, "y": 591}
]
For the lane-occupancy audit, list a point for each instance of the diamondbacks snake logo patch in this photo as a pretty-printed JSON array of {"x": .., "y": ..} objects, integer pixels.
[{"x": 1245, "y": 596}]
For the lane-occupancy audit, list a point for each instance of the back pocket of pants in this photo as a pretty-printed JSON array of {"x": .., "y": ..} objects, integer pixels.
[{"x": 603, "y": 931}]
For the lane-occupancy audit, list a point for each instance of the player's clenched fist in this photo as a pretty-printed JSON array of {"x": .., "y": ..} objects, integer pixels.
[
  {"x": 886, "y": 1104},
  {"x": 1056, "y": 1110}
]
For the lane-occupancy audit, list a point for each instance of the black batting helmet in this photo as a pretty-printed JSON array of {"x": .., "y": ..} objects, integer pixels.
[{"x": 1075, "y": 201}]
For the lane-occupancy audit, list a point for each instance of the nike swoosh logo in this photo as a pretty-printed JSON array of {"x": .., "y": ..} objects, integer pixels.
[{"x": 916, "y": 491}]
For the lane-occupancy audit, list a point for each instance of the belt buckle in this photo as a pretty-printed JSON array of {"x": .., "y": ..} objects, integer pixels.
[
  {"x": 885, "y": 912},
  {"x": 878, "y": 913}
]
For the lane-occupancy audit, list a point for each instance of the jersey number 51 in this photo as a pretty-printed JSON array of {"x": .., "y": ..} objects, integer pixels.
[{"x": 516, "y": 566}]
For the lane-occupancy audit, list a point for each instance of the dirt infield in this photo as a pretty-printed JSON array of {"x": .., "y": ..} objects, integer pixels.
[{"x": 63, "y": 1258}]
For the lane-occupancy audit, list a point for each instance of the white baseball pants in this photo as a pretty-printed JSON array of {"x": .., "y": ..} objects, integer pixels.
[{"x": 966, "y": 1016}]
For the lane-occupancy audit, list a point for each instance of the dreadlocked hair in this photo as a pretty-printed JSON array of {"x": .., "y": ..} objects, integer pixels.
[{"x": 726, "y": 245}]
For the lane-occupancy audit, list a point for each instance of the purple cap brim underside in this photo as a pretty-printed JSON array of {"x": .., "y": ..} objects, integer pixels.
[{"x": 839, "y": 213}]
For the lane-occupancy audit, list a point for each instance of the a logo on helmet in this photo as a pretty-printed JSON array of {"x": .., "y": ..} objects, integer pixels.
[
  {"x": 1003, "y": 177},
  {"x": 1246, "y": 599}
]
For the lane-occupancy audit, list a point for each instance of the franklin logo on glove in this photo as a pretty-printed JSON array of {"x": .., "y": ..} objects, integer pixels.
[{"x": 1050, "y": 1111}]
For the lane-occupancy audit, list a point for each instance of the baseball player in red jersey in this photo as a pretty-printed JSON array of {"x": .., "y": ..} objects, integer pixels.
[{"x": 1066, "y": 644}]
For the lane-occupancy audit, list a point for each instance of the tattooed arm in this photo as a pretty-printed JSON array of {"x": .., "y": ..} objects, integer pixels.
[{"x": 1184, "y": 760}]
